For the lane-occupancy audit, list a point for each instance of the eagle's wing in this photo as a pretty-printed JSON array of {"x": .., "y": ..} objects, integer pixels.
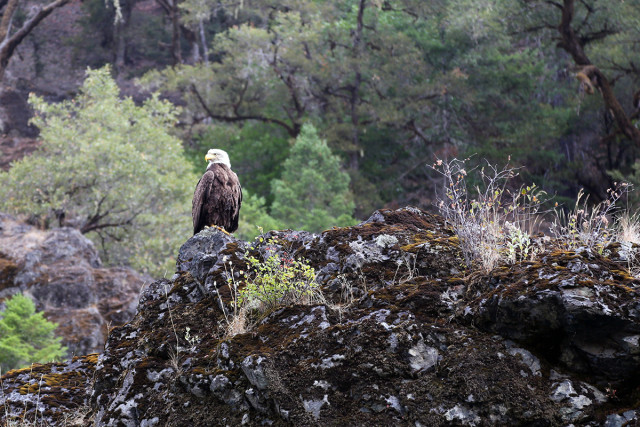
[
  {"x": 199, "y": 200},
  {"x": 236, "y": 214}
]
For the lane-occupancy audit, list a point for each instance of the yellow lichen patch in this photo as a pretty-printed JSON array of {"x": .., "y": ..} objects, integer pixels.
[
  {"x": 430, "y": 242},
  {"x": 43, "y": 380},
  {"x": 412, "y": 247},
  {"x": 16, "y": 372},
  {"x": 622, "y": 275},
  {"x": 564, "y": 254},
  {"x": 91, "y": 358},
  {"x": 620, "y": 286}
]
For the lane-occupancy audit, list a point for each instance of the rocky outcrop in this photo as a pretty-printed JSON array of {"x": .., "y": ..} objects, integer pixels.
[
  {"x": 61, "y": 392},
  {"x": 61, "y": 270},
  {"x": 406, "y": 336}
]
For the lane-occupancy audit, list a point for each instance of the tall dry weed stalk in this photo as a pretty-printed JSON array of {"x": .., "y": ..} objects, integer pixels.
[
  {"x": 590, "y": 226},
  {"x": 492, "y": 221}
]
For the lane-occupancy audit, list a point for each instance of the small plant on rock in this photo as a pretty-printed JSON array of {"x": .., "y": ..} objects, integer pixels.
[
  {"x": 519, "y": 244},
  {"x": 589, "y": 226},
  {"x": 492, "y": 222},
  {"x": 278, "y": 280}
]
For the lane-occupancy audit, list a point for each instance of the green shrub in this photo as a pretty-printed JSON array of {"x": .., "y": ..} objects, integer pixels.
[
  {"x": 111, "y": 169},
  {"x": 26, "y": 336},
  {"x": 278, "y": 280}
]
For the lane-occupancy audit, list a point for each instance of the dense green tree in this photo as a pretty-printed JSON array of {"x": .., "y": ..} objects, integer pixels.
[
  {"x": 351, "y": 66},
  {"x": 255, "y": 218},
  {"x": 26, "y": 336},
  {"x": 393, "y": 84},
  {"x": 505, "y": 97},
  {"x": 109, "y": 168},
  {"x": 313, "y": 193}
]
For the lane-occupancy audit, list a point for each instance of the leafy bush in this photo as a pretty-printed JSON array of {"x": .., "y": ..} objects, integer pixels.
[
  {"x": 109, "y": 168},
  {"x": 278, "y": 280},
  {"x": 26, "y": 336}
]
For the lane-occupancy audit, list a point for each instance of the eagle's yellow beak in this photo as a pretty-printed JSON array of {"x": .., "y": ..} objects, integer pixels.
[{"x": 209, "y": 157}]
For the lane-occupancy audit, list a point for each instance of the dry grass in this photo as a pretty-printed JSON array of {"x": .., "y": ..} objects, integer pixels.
[
  {"x": 493, "y": 222},
  {"x": 627, "y": 232},
  {"x": 586, "y": 225},
  {"x": 628, "y": 228}
]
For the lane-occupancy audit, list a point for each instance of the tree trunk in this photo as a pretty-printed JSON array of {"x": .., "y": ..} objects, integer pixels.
[
  {"x": 354, "y": 154},
  {"x": 194, "y": 49},
  {"x": 574, "y": 45},
  {"x": 176, "y": 50},
  {"x": 120, "y": 34}
]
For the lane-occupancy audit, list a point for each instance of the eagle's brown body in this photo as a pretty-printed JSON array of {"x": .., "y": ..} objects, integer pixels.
[{"x": 217, "y": 199}]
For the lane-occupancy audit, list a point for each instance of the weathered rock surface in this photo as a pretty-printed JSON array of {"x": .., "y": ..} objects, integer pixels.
[
  {"x": 407, "y": 336},
  {"x": 62, "y": 391},
  {"x": 61, "y": 270}
]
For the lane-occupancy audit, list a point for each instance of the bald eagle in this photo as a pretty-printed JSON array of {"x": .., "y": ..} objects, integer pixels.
[{"x": 218, "y": 195}]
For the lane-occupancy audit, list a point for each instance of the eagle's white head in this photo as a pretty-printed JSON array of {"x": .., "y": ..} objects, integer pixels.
[{"x": 218, "y": 156}]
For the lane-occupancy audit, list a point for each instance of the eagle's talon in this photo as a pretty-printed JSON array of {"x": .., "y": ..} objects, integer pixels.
[{"x": 218, "y": 228}]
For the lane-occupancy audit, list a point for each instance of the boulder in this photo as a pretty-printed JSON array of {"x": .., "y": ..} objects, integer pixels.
[
  {"x": 60, "y": 269},
  {"x": 405, "y": 335}
]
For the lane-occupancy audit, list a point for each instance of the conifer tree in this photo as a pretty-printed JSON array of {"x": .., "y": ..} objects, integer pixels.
[
  {"x": 313, "y": 193},
  {"x": 26, "y": 336}
]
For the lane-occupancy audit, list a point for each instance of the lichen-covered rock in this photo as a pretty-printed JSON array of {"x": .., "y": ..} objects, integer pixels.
[
  {"x": 48, "y": 394},
  {"x": 577, "y": 309},
  {"x": 406, "y": 336},
  {"x": 209, "y": 257},
  {"x": 61, "y": 270}
]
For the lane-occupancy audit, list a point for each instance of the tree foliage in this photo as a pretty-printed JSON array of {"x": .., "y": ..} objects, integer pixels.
[
  {"x": 26, "y": 336},
  {"x": 391, "y": 85},
  {"x": 313, "y": 193},
  {"x": 109, "y": 168},
  {"x": 255, "y": 218},
  {"x": 601, "y": 40}
]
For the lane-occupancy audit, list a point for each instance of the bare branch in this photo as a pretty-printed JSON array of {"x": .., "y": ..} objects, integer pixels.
[
  {"x": 569, "y": 40},
  {"x": 610, "y": 100},
  {"x": 293, "y": 131},
  {"x": 9, "y": 44}
]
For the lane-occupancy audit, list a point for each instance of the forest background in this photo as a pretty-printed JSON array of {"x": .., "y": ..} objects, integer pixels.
[{"x": 329, "y": 110}]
